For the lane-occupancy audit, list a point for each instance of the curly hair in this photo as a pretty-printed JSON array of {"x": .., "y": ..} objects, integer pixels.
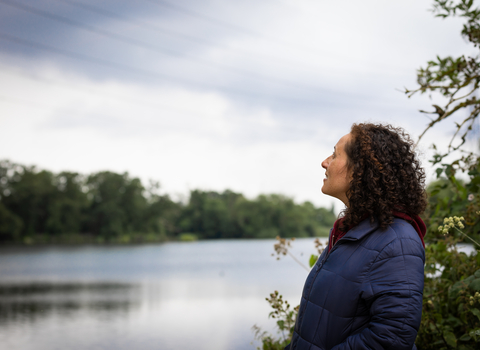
[{"x": 386, "y": 175}]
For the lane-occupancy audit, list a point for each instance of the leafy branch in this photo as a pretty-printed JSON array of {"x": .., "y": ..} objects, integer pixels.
[{"x": 456, "y": 79}]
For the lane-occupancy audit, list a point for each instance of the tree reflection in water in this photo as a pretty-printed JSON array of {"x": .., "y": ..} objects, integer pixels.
[{"x": 32, "y": 301}]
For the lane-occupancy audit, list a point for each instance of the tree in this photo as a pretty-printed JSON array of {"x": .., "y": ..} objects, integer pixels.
[
  {"x": 67, "y": 211},
  {"x": 455, "y": 79},
  {"x": 451, "y": 315},
  {"x": 161, "y": 214},
  {"x": 117, "y": 204},
  {"x": 10, "y": 225},
  {"x": 28, "y": 195}
]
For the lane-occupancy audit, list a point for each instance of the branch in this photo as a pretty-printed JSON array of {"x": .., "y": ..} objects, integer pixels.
[
  {"x": 446, "y": 114},
  {"x": 472, "y": 117}
]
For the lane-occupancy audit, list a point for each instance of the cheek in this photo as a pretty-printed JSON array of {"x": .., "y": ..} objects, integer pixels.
[{"x": 347, "y": 178}]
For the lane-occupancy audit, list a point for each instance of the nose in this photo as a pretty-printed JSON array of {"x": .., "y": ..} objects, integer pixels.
[{"x": 325, "y": 163}]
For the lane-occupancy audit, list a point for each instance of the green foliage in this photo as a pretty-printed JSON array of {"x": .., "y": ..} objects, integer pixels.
[
  {"x": 230, "y": 215},
  {"x": 188, "y": 237},
  {"x": 68, "y": 207},
  {"x": 285, "y": 318},
  {"x": 450, "y": 302},
  {"x": 281, "y": 308},
  {"x": 452, "y": 279},
  {"x": 27, "y": 195},
  {"x": 42, "y": 207},
  {"x": 37, "y": 206},
  {"x": 117, "y": 204},
  {"x": 451, "y": 298},
  {"x": 10, "y": 224},
  {"x": 454, "y": 78},
  {"x": 449, "y": 196}
]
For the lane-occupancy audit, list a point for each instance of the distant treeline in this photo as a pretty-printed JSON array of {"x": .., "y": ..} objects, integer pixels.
[{"x": 41, "y": 206}]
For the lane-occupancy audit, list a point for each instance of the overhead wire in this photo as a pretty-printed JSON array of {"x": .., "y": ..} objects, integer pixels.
[
  {"x": 161, "y": 76},
  {"x": 238, "y": 28},
  {"x": 290, "y": 64},
  {"x": 148, "y": 74},
  {"x": 256, "y": 34},
  {"x": 142, "y": 44},
  {"x": 176, "y": 34}
]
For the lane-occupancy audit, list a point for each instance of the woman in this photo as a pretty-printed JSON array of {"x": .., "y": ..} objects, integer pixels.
[{"x": 365, "y": 291}]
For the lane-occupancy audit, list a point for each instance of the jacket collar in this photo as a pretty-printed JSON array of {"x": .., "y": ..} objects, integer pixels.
[{"x": 364, "y": 228}]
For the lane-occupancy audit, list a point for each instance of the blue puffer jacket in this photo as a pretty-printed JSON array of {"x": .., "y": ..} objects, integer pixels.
[{"x": 366, "y": 293}]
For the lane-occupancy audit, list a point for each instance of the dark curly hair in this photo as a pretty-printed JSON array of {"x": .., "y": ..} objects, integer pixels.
[{"x": 386, "y": 175}]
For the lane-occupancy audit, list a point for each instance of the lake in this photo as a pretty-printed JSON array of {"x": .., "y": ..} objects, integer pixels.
[{"x": 189, "y": 295}]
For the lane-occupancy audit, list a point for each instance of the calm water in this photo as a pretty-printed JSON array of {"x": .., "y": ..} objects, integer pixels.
[{"x": 201, "y": 295}]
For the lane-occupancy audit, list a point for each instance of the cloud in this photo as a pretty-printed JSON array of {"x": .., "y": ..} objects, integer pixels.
[
  {"x": 208, "y": 143},
  {"x": 249, "y": 96}
]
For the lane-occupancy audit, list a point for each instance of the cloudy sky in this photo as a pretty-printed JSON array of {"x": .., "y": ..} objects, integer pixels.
[{"x": 246, "y": 95}]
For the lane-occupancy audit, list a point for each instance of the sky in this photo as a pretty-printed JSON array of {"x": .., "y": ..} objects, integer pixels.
[{"x": 247, "y": 95}]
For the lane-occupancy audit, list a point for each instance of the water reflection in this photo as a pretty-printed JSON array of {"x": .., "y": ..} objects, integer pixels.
[
  {"x": 202, "y": 295},
  {"x": 33, "y": 301}
]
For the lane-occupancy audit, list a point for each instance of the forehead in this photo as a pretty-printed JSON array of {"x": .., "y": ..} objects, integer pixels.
[{"x": 343, "y": 140}]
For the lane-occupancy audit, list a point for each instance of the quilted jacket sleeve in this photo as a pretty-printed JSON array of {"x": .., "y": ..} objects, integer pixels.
[{"x": 393, "y": 293}]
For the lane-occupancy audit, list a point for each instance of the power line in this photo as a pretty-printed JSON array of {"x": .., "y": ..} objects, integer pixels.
[
  {"x": 224, "y": 24},
  {"x": 247, "y": 31},
  {"x": 195, "y": 14},
  {"x": 139, "y": 43},
  {"x": 82, "y": 57},
  {"x": 176, "y": 34},
  {"x": 137, "y": 71},
  {"x": 197, "y": 40}
]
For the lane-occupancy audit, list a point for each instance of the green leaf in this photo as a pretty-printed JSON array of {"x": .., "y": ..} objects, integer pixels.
[
  {"x": 476, "y": 312},
  {"x": 475, "y": 334},
  {"x": 464, "y": 347},
  {"x": 313, "y": 260},
  {"x": 438, "y": 318},
  {"x": 450, "y": 339},
  {"x": 465, "y": 337},
  {"x": 439, "y": 172},
  {"x": 475, "y": 284},
  {"x": 477, "y": 274},
  {"x": 454, "y": 321},
  {"x": 456, "y": 289}
]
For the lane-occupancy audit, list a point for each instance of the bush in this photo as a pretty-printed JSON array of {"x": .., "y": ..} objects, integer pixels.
[{"x": 451, "y": 298}]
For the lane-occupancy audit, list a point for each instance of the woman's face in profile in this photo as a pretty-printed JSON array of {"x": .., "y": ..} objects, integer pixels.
[{"x": 337, "y": 176}]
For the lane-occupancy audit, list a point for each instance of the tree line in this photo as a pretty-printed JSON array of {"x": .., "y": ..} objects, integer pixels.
[{"x": 42, "y": 206}]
